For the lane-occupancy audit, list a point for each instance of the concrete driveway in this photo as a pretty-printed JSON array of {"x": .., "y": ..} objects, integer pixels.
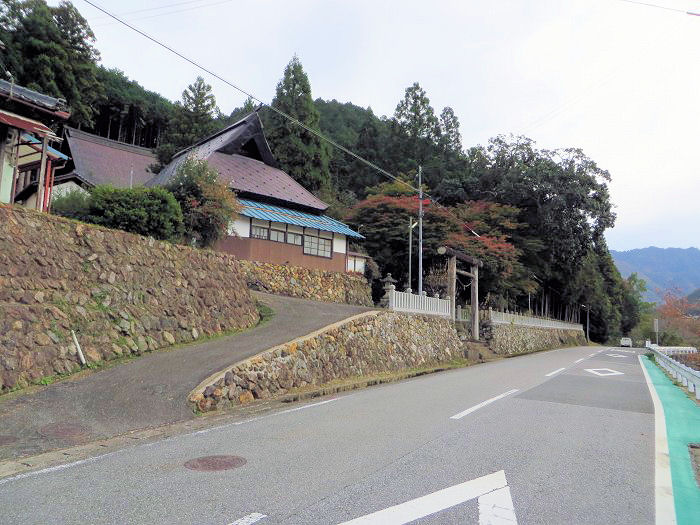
[{"x": 149, "y": 391}]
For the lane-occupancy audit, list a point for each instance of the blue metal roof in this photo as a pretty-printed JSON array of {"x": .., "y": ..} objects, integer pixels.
[
  {"x": 34, "y": 140},
  {"x": 268, "y": 212}
]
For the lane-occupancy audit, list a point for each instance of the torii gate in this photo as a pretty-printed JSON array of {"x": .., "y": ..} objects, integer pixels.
[{"x": 452, "y": 272}]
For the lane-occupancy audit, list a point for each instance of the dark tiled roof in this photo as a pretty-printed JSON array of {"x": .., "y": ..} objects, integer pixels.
[
  {"x": 33, "y": 97},
  {"x": 103, "y": 161},
  {"x": 253, "y": 177},
  {"x": 243, "y": 158}
]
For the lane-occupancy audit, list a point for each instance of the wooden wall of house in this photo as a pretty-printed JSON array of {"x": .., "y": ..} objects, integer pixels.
[{"x": 279, "y": 253}]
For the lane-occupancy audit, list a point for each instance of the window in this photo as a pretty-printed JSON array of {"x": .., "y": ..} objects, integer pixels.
[
  {"x": 276, "y": 235},
  {"x": 258, "y": 232},
  {"x": 317, "y": 246},
  {"x": 294, "y": 238}
]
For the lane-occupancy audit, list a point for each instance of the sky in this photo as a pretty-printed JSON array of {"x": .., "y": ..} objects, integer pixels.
[{"x": 620, "y": 81}]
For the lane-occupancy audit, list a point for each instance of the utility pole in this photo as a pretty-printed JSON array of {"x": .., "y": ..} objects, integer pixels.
[
  {"x": 411, "y": 225},
  {"x": 420, "y": 231}
]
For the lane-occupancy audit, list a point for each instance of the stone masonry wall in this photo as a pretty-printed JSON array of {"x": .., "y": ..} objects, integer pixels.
[
  {"x": 368, "y": 343},
  {"x": 511, "y": 339},
  {"x": 308, "y": 283},
  {"x": 121, "y": 293}
]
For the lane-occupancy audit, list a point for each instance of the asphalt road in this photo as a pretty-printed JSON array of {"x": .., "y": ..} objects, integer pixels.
[
  {"x": 569, "y": 446},
  {"x": 151, "y": 390}
]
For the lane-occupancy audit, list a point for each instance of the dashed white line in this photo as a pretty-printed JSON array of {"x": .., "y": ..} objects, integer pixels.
[
  {"x": 579, "y": 360},
  {"x": 249, "y": 519},
  {"x": 483, "y": 404},
  {"x": 555, "y": 372},
  {"x": 591, "y": 355}
]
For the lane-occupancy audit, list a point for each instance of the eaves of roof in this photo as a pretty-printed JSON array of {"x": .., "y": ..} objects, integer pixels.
[{"x": 268, "y": 212}]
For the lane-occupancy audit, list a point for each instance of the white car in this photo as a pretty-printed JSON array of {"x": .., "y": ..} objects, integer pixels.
[{"x": 626, "y": 341}]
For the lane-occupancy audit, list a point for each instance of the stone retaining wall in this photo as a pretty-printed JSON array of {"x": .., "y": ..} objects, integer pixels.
[
  {"x": 121, "y": 293},
  {"x": 308, "y": 283},
  {"x": 368, "y": 343},
  {"x": 512, "y": 339}
]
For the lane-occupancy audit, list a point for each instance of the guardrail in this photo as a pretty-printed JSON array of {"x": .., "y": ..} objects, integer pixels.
[
  {"x": 688, "y": 377},
  {"x": 674, "y": 349},
  {"x": 417, "y": 304}
]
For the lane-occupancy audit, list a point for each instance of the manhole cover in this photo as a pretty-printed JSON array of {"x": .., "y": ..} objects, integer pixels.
[
  {"x": 6, "y": 440},
  {"x": 63, "y": 430},
  {"x": 214, "y": 463}
]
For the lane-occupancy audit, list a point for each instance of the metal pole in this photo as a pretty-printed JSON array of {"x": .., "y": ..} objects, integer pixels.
[
  {"x": 475, "y": 303},
  {"x": 588, "y": 324},
  {"x": 410, "y": 246},
  {"x": 420, "y": 230},
  {"x": 131, "y": 177}
]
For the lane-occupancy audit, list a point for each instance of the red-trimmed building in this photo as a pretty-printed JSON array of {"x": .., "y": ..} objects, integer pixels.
[
  {"x": 280, "y": 221},
  {"x": 26, "y": 155},
  {"x": 95, "y": 160}
]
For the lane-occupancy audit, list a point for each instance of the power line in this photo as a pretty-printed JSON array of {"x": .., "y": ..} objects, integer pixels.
[
  {"x": 158, "y": 15},
  {"x": 657, "y": 6},
  {"x": 276, "y": 110},
  {"x": 155, "y": 8}
]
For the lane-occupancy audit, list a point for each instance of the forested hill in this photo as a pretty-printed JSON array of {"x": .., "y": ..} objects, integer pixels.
[
  {"x": 662, "y": 269},
  {"x": 535, "y": 217}
]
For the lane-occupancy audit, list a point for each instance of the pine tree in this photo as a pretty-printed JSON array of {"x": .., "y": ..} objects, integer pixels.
[
  {"x": 50, "y": 49},
  {"x": 450, "y": 138},
  {"x": 301, "y": 154},
  {"x": 415, "y": 116},
  {"x": 195, "y": 118}
]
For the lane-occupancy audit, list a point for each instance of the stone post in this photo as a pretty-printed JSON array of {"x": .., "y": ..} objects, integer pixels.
[{"x": 389, "y": 289}]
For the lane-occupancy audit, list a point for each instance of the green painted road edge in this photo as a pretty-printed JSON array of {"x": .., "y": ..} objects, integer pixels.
[{"x": 682, "y": 417}]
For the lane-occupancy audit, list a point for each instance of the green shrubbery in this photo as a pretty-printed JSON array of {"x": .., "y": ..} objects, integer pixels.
[
  {"x": 208, "y": 206},
  {"x": 145, "y": 211},
  {"x": 195, "y": 208}
]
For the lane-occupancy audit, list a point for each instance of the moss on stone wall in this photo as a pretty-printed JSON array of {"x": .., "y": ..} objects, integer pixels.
[
  {"x": 369, "y": 343},
  {"x": 308, "y": 283},
  {"x": 121, "y": 293}
]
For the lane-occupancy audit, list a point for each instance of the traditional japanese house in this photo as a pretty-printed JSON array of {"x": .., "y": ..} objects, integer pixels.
[
  {"x": 97, "y": 160},
  {"x": 26, "y": 156},
  {"x": 280, "y": 221}
]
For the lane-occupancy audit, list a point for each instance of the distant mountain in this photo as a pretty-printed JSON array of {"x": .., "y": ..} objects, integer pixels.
[
  {"x": 694, "y": 297},
  {"x": 662, "y": 269}
]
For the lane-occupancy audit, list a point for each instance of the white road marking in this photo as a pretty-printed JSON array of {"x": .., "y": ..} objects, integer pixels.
[
  {"x": 249, "y": 519},
  {"x": 616, "y": 355},
  {"x": 500, "y": 504},
  {"x": 165, "y": 440},
  {"x": 496, "y": 508},
  {"x": 483, "y": 404},
  {"x": 555, "y": 372},
  {"x": 594, "y": 353},
  {"x": 579, "y": 360},
  {"x": 603, "y": 372},
  {"x": 663, "y": 488}
]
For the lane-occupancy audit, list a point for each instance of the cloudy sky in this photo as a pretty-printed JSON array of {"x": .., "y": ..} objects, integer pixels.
[{"x": 621, "y": 81}]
